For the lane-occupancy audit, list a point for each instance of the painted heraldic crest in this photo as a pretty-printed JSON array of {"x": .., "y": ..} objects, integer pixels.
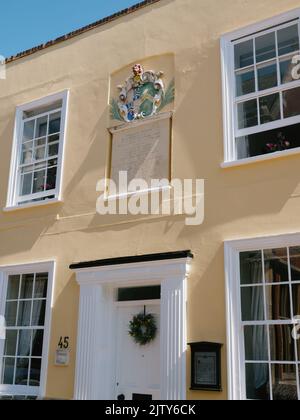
[{"x": 143, "y": 95}]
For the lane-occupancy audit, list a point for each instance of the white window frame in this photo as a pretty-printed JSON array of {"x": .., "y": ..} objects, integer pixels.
[
  {"x": 5, "y": 272},
  {"x": 12, "y": 196},
  {"x": 228, "y": 89},
  {"x": 235, "y": 339}
]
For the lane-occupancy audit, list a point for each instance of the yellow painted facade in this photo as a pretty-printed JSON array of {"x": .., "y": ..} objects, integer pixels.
[{"x": 180, "y": 37}]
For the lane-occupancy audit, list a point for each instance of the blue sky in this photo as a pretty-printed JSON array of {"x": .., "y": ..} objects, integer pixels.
[{"x": 27, "y": 23}]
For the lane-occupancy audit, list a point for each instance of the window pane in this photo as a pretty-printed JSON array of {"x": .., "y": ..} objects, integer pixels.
[
  {"x": 245, "y": 82},
  {"x": 26, "y": 184},
  {"x": 38, "y": 313},
  {"x": 22, "y": 372},
  {"x": 288, "y": 40},
  {"x": 37, "y": 343},
  {"x": 27, "y": 146},
  {"x": 35, "y": 372},
  {"x": 11, "y": 343},
  {"x": 24, "y": 313},
  {"x": 51, "y": 179},
  {"x": 8, "y": 371},
  {"x": 40, "y": 142},
  {"x": 13, "y": 287},
  {"x": 28, "y": 130},
  {"x": 247, "y": 114},
  {"x": 291, "y": 102},
  {"x": 252, "y": 304},
  {"x": 276, "y": 265},
  {"x": 286, "y": 68},
  {"x": 27, "y": 286},
  {"x": 53, "y": 149},
  {"x": 296, "y": 301},
  {"x": 54, "y": 123},
  {"x": 26, "y": 156},
  {"x": 251, "y": 267},
  {"x": 278, "y": 302},
  {"x": 41, "y": 283},
  {"x": 282, "y": 343},
  {"x": 27, "y": 169},
  {"x": 52, "y": 162},
  {"x": 39, "y": 166},
  {"x": 295, "y": 263},
  {"x": 11, "y": 313},
  {"x": 138, "y": 293},
  {"x": 257, "y": 381},
  {"x": 39, "y": 153},
  {"x": 243, "y": 53},
  {"x": 269, "y": 108},
  {"x": 256, "y": 343},
  {"x": 268, "y": 142},
  {"x": 24, "y": 343},
  {"x": 35, "y": 112},
  {"x": 265, "y": 47},
  {"x": 41, "y": 127},
  {"x": 284, "y": 382},
  {"x": 53, "y": 139},
  {"x": 39, "y": 182},
  {"x": 267, "y": 76}
]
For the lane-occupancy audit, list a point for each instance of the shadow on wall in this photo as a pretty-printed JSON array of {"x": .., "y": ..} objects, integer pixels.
[
  {"x": 60, "y": 381},
  {"x": 6, "y": 148},
  {"x": 207, "y": 288},
  {"x": 93, "y": 158}
]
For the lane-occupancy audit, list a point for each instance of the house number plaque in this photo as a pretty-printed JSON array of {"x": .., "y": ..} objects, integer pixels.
[{"x": 62, "y": 354}]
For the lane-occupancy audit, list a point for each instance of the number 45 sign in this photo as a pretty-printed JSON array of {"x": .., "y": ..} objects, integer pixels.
[
  {"x": 62, "y": 355},
  {"x": 64, "y": 343}
]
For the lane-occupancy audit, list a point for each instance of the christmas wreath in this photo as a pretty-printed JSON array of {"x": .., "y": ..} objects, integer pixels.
[{"x": 143, "y": 329}]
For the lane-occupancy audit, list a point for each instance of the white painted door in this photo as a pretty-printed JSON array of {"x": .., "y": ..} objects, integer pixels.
[{"x": 137, "y": 367}]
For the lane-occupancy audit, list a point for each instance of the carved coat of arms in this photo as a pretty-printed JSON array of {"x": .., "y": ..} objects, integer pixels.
[{"x": 143, "y": 95}]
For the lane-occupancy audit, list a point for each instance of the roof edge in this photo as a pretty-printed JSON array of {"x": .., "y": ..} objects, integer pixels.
[
  {"x": 82, "y": 30},
  {"x": 132, "y": 260}
]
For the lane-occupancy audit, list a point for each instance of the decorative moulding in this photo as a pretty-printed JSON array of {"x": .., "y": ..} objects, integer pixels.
[
  {"x": 143, "y": 95},
  {"x": 138, "y": 123}
]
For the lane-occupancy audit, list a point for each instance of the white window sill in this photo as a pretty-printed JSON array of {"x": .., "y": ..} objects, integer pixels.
[
  {"x": 262, "y": 158},
  {"x": 32, "y": 205}
]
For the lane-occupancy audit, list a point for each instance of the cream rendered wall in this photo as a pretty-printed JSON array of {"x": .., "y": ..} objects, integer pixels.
[{"x": 254, "y": 200}]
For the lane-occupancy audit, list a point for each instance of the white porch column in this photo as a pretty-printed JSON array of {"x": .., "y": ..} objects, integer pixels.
[
  {"x": 86, "y": 342},
  {"x": 173, "y": 339},
  {"x": 91, "y": 359}
]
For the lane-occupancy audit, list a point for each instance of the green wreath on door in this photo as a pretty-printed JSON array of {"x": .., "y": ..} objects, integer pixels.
[{"x": 143, "y": 328}]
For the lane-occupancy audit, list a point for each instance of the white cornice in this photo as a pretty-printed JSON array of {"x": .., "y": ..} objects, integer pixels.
[{"x": 153, "y": 271}]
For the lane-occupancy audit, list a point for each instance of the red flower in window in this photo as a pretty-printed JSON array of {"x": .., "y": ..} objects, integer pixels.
[{"x": 279, "y": 145}]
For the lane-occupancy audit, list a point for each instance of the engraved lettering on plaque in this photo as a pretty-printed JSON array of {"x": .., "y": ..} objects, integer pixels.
[{"x": 142, "y": 151}]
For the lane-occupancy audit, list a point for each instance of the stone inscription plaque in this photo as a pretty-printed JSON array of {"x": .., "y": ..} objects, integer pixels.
[{"x": 143, "y": 151}]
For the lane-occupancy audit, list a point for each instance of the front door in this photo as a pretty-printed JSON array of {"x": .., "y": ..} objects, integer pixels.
[{"x": 137, "y": 367}]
